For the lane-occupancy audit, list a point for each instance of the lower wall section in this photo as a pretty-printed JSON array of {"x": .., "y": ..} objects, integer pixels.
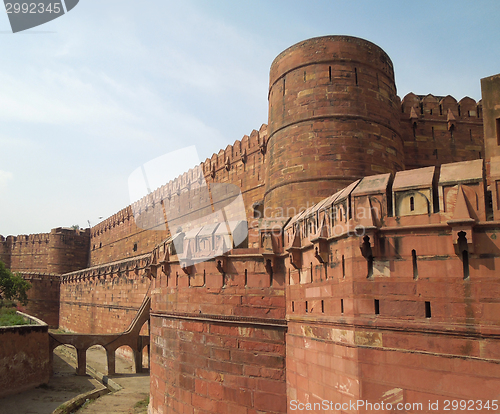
[
  {"x": 348, "y": 368},
  {"x": 101, "y": 305},
  {"x": 207, "y": 366},
  {"x": 43, "y": 297},
  {"x": 24, "y": 358}
]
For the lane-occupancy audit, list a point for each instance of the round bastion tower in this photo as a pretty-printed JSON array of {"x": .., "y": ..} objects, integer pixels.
[{"x": 333, "y": 118}]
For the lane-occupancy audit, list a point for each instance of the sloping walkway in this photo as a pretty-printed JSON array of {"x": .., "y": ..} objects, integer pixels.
[
  {"x": 135, "y": 386},
  {"x": 65, "y": 385}
]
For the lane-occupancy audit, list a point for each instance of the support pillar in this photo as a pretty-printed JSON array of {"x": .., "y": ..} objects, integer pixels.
[
  {"x": 81, "y": 369},
  {"x": 110, "y": 353}
]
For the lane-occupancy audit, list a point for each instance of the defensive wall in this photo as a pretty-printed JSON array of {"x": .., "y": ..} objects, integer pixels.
[
  {"x": 381, "y": 286},
  {"x": 24, "y": 357},
  {"x": 43, "y": 297}
]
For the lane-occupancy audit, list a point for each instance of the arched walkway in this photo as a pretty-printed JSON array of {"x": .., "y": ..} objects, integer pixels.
[{"x": 111, "y": 342}]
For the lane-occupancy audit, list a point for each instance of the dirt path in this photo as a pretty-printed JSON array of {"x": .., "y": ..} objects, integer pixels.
[{"x": 65, "y": 385}]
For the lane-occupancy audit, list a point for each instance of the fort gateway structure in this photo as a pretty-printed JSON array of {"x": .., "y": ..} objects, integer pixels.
[{"x": 369, "y": 273}]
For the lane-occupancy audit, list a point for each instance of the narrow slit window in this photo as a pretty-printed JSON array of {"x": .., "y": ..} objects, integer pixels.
[
  {"x": 307, "y": 307},
  {"x": 304, "y": 76},
  {"x": 356, "y": 75},
  {"x": 414, "y": 262},
  {"x": 343, "y": 267},
  {"x": 330, "y": 73},
  {"x": 283, "y": 86},
  {"x": 246, "y": 277},
  {"x": 440, "y": 109},
  {"x": 412, "y": 203},
  {"x": 427, "y": 309},
  {"x": 498, "y": 130},
  {"x": 370, "y": 266},
  {"x": 293, "y": 306},
  {"x": 465, "y": 262},
  {"x": 322, "y": 306},
  {"x": 433, "y": 137},
  {"x": 342, "y": 306},
  {"x": 377, "y": 307}
]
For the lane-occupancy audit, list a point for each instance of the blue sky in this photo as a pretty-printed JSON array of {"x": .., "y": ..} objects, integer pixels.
[{"x": 89, "y": 97}]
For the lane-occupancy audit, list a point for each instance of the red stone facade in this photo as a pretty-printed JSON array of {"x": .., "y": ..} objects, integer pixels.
[{"x": 369, "y": 274}]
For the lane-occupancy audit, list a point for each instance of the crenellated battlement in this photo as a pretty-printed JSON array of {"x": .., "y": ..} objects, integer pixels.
[{"x": 467, "y": 109}]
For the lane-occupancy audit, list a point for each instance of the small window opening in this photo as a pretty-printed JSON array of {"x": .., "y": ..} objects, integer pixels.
[
  {"x": 246, "y": 277},
  {"x": 412, "y": 203},
  {"x": 414, "y": 262},
  {"x": 322, "y": 306},
  {"x": 430, "y": 111},
  {"x": 135, "y": 247},
  {"x": 370, "y": 267},
  {"x": 433, "y": 137},
  {"x": 343, "y": 267},
  {"x": 459, "y": 110},
  {"x": 480, "y": 155},
  {"x": 427, "y": 309},
  {"x": 307, "y": 307},
  {"x": 421, "y": 108},
  {"x": 356, "y": 75},
  {"x": 304, "y": 76},
  {"x": 342, "y": 306},
  {"x": 377, "y": 307},
  {"x": 100, "y": 245},
  {"x": 330, "y": 73},
  {"x": 293, "y": 306},
  {"x": 465, "y": 262},
  {"x": 311, "y": 266},
  {"x": 498, "y": 130},
  {"x": 440, "y": 109}
]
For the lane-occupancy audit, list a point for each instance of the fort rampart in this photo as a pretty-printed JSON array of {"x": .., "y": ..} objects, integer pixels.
[{"x": 380, "y": 286}]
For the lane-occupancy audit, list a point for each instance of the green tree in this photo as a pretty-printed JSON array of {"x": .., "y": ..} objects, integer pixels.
[{"x": 13, "y": 286}]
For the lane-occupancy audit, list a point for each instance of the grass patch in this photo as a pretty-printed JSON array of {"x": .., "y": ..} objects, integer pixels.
[
  {"x": 9, "y": 317},
  {"x": 141, "y": 407}
]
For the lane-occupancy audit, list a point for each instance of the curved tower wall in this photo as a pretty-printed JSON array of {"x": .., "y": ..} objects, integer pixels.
[{"x": 333, "y": 118}]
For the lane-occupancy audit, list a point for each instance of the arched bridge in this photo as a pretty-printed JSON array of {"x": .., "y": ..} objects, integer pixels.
[{"x": 110, "y": 342}]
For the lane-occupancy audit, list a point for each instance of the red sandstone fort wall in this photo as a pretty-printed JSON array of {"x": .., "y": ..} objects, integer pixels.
[
  {"x": 24, "y": 358},
  {"x": 60, "y": 251},
  {"x": 221, "y": 337},
  {"x": 123, "y": 235},
  {"x": 101, "y": 301},
  {"x": 440, "y": 130},
  {"x": 43, "y": 297}
]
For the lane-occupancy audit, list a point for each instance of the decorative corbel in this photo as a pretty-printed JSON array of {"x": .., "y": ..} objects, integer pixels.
[{"x": 320, "y": 243}]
